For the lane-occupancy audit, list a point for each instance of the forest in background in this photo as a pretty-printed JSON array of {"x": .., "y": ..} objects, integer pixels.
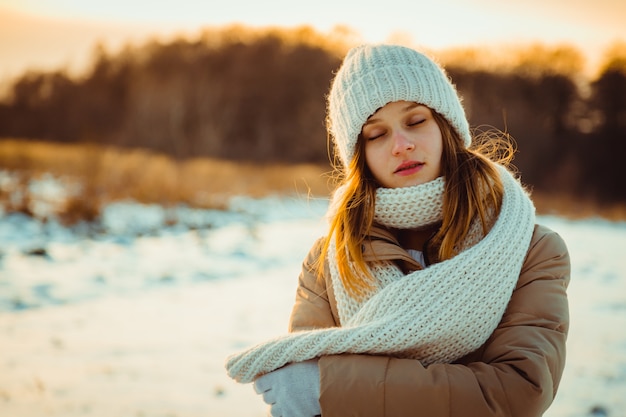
[{"x": 258, "y": 96}]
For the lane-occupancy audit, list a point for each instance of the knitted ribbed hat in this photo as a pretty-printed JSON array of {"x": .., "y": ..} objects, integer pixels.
[{"x": 372, "y": 76}]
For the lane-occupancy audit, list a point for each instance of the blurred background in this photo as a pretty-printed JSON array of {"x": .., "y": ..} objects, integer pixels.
[
  {"x": 174, "y": 84},
  {"x": 164, "y": 168}
]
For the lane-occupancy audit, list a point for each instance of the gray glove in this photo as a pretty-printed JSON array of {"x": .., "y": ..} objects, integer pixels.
[{"x": 292, "y": 391}]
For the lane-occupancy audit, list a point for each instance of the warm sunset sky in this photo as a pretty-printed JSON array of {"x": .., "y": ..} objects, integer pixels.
[{"x": 53, "y": 33}]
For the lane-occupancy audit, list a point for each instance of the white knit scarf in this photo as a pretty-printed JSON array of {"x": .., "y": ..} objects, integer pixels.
[{"x": 435, "y": 315}]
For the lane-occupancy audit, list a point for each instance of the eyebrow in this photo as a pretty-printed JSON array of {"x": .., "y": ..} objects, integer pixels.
[{"x": 410, "y": 106}]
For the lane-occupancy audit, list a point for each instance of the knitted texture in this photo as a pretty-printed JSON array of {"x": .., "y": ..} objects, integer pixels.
[
  {"x": 396, "y": 207},
  {"x": 435, "y": 315},
  {"x": 372, "y": 76}
]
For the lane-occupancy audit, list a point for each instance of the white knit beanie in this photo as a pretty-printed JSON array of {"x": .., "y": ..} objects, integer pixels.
[{"x": 372, "y": 76}]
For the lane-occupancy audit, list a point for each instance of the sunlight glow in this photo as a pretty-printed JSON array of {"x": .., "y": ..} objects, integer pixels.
[{"x": 591, "y": 26}]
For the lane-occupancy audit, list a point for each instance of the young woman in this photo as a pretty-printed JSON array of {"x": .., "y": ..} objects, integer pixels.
[{"x": 434, "y": 292}]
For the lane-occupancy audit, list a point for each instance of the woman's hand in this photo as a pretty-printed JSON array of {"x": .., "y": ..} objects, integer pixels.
[{"x": 292, "y": 391}]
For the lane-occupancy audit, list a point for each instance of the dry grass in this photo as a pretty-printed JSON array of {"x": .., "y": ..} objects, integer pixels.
[
  {"x": 105, "y": 174},
  {"x": 576, "y": 207}
]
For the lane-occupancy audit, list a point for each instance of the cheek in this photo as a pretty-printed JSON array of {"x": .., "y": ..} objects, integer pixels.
[
  {"x": 436, "y": 144},
  {"x": 370, "y": 160},
  {"x": 374, "y": 160},
  {"x": 439, "y": 150},
  {"x": 368, "y": 151}
]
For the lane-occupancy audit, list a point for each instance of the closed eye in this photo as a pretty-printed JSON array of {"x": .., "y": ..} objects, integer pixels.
[
  {"x": 416, "y": 122},
  {"x": 375, "y": 135}
]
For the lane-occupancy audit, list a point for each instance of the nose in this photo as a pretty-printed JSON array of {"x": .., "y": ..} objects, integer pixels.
[{"x": 401, "y": 143}]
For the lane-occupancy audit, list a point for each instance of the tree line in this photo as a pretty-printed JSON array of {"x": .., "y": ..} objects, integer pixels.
[{"x": 259, "y": 96}]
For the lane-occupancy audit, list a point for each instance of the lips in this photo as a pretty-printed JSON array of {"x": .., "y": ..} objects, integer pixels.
[{"x": 408, "y": 167}]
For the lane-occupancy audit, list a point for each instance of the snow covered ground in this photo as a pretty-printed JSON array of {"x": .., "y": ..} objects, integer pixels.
[{"x": 136, "y": 316}]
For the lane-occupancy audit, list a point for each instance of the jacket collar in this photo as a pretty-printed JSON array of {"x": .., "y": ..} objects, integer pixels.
[{"x": 382, "y": 245}]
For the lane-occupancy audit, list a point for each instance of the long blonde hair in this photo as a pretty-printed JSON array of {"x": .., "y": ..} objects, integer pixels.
[{"x": 472, "y": 190}]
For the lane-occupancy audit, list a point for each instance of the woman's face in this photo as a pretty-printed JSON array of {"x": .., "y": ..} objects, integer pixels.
[{"x": 403, "y": 145}]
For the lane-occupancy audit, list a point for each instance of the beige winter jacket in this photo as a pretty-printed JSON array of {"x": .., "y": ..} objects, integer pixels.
[{"x": 515, "y": 373}]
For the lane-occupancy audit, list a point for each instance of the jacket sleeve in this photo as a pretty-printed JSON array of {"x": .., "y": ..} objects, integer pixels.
[
  {"x": 515, "y": 373},
  {"x": 312, "y": 308}
]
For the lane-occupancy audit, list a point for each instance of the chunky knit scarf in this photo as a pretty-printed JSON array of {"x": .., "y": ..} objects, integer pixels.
[{"x": 435, "y": 315}]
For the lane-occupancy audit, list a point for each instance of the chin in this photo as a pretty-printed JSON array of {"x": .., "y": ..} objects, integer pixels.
[{"x": 413, "y": 182}]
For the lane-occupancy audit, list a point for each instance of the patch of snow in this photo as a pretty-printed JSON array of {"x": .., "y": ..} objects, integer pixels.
[{"x": 136, "y": 316}]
